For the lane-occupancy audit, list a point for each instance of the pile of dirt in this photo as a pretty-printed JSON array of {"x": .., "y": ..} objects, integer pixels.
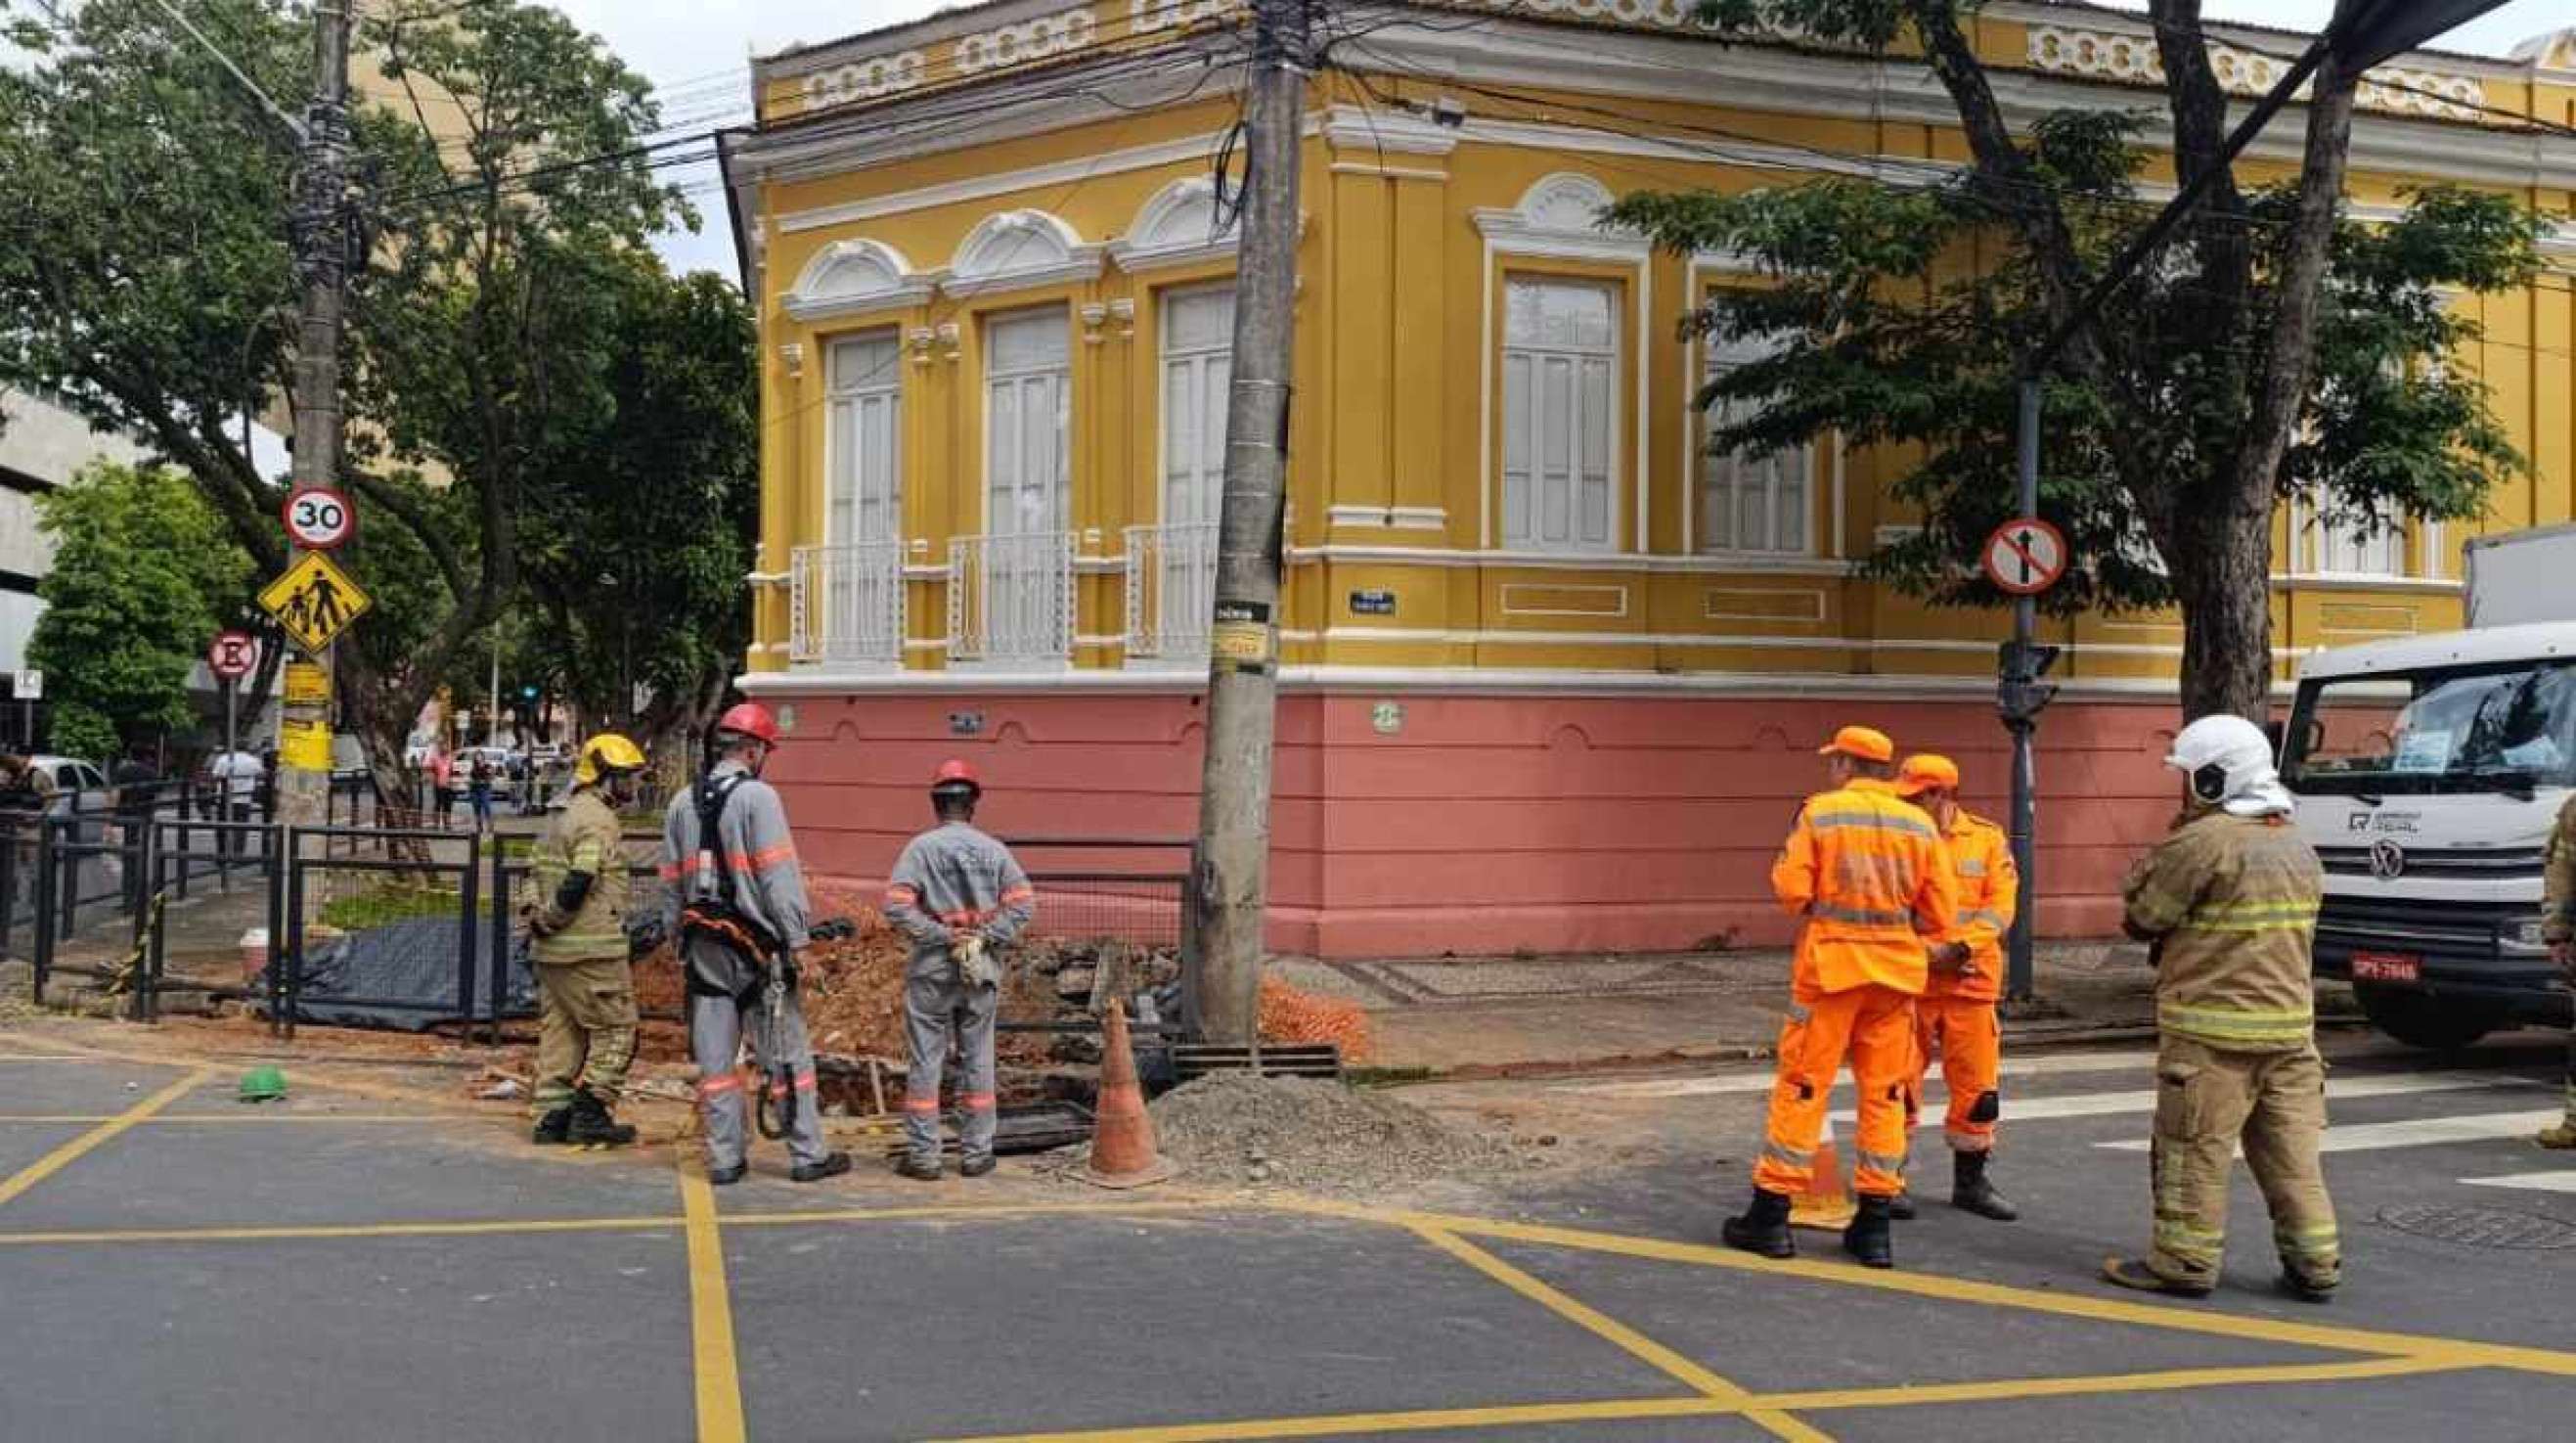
[{"x": 1316, "y": 1136}]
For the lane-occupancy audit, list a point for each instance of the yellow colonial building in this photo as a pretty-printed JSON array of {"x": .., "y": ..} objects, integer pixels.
[{"x": 1552, "y": 673}]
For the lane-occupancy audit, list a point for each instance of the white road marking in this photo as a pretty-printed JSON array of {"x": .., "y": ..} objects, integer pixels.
[
  {"x": 2529, "y": 1181},
  {"x": 2421, "y": 1132},
  {"x": 1752, "y": 1082},
  {"x": 2108, "y": 1104}
]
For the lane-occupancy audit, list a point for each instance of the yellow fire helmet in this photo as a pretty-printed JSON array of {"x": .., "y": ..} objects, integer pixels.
[{"x": 607, "y": 752}]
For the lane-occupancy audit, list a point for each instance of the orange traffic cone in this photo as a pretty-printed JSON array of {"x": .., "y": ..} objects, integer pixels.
[
  {"x": 1827, "y": 1203},
  {"x": 1122, "y": 1136}
]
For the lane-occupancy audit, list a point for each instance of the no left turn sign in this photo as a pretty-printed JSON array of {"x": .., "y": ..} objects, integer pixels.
[
  {"x": 2025, "y": 557},
  {"x": 320, "y": 519}
]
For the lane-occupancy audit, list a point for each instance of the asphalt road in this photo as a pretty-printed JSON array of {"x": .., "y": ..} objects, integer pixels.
[{"x": 346, "y": 1266}]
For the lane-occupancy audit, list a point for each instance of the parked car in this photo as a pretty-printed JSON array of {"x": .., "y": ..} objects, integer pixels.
[{"x": 81, "y": 789}]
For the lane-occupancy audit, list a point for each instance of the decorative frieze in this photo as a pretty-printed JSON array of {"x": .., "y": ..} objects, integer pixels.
[{"x": 2133, "y": 60}]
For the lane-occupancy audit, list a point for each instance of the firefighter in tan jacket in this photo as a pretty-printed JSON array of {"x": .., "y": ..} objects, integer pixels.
[
  {"x": 2558, "y": 926},
  {"x": 2229, "y": 901}
]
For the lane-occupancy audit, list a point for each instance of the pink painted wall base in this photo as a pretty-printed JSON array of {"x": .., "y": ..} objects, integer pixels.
[{"x": 1469, "y": 823}]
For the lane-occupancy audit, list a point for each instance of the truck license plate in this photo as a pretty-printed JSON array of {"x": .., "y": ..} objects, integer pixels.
[{"x": 2386, "y": 967}]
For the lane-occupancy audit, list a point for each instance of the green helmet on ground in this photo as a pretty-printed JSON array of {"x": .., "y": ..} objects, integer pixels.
[{"x": 263, "y": 1084}]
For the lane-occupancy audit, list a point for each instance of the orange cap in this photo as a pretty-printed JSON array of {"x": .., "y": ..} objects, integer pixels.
[
  {"x": 1866, "y": 743},
  {"x": 1924, "y": 771}
]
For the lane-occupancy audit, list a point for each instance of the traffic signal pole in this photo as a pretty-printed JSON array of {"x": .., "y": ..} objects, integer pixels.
[
  {"x": 1243, "y": 671},
  {"x": 321, "y": 265}
]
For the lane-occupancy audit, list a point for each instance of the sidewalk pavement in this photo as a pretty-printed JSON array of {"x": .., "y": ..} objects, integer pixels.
[{"x": 1523, "y": 1015}]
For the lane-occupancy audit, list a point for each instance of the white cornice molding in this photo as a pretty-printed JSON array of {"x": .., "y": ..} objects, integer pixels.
[
  {"x": 1017, "y": 250},
  {"x": 1349, "y": 127},
  {"x": 1188, "y": 148},
  {"x": 1176, "y": 227},
  {"x": 855, "y": 277},
  {"x": 1555, "y": 219}
]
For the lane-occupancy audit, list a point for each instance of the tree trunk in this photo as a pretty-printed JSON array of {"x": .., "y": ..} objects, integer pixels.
[{"x": 2226, "y": 595}]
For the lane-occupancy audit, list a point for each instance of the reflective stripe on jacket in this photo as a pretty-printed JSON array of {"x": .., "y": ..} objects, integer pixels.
[
  {"x": 2558, "y": 879},
  {"x": 954, "y": 878},
  {"x": 2231, "y": 904},
  {"x": 583, "y": 837},
  {"x": 754, "y": 845},
  {"x": 1867, "y": 872},
  {"x": 1981, "y": 860}
]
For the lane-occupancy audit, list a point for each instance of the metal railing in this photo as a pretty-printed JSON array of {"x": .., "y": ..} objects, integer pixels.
[
  {"x": 845, "y": 605},
  {"x": 1010, "y": 598},
  {"x": 1171, "y": 590}
]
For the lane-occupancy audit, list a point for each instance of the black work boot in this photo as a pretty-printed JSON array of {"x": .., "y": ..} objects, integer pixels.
[
  {"x": 592, "y": 1126},
  {"x": 1970, "y": 1192},
  {"x": 1869, "y": 1238},
  {"x": 1764, "y": 1228},
  {"x": 918, "y": 1169},
  {"x": 1901, "y": 1207},
  {"x": 831, "y": 1164},
  {"x": 552, "y": 1129}
]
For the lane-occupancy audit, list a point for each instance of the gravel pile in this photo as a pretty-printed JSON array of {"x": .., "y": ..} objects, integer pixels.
[{"x": 1315, "y": 1136}]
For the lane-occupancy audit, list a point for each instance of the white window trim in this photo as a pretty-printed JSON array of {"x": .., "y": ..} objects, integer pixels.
[
  {"x": 1162, "y": 359},
  {"x": 1531, "y": 231},
  {"x": 1696, "y": 459},
  {"x": 834, "y": 392},
  {"x": 853, "y": 278},
  {"x": 2413, "y": 539},
  {"x": 1617, "y": 353},
  {"x": 1064, "y": 433}
]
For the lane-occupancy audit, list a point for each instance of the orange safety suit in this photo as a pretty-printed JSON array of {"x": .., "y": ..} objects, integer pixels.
[
  {"x": 1957, "y": 1010},
  {"x": 1866, "y": 872}
]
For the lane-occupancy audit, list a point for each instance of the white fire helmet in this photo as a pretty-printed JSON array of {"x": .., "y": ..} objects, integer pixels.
[{"x": 2228, "y": 762}]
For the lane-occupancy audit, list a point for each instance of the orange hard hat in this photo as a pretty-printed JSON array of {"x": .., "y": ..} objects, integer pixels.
[
  {"x": 1866, "y": 743},
  {"x": 750, "y": 719},
  {"x": 1923, "y": 771},
  {"x": 955, "y": 773}
]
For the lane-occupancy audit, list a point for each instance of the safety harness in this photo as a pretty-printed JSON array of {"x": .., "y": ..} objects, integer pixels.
[{"x": 720, "y": 920}]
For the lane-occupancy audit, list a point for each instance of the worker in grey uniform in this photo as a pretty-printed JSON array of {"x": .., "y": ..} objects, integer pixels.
[
  {"x": 961, "y": 897},
  {"x": 734, "y": 896}
]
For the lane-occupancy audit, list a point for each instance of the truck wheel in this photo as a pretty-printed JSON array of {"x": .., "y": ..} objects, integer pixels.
[{"x": 2432, "y": 1023}]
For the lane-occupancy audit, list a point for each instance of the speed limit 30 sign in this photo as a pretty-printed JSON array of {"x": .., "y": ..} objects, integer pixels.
[
  {"x": 320, "y": 519},
  {"x": 2025, "y": 557}
]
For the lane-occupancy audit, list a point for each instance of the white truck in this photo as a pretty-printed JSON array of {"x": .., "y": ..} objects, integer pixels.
[{"x": 2429, "y": 771}]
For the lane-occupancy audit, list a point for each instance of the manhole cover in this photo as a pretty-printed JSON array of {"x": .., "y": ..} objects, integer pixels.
[{"x": 2482, "y": 1227}]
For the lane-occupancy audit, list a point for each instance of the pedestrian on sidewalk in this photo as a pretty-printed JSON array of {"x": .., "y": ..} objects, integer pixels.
[
  {"x": 734, "y": 894},
  {"x": 2228, "y": 903},
  {"x": 442, "y": 782},
  {"x": 2558, "y": 928},
  {"x": 1956, "y": 1012},
  {"x": 1864, "y": 872},
  {"x": 479, "y": 785},
  {"x": 577, "y": 935},
  {"x": 962, "y": 898}
]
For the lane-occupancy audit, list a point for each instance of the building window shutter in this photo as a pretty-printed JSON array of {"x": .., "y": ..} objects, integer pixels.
[{"x": 1560, "y": 405}]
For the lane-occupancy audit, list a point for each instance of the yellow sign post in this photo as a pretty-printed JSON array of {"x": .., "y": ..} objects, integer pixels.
[{"x": 314, "y": 601}]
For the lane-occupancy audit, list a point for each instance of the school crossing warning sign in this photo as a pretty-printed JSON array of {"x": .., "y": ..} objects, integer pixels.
[{"x": 314, "y": 601}]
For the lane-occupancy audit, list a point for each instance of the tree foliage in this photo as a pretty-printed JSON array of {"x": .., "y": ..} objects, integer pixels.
[
  {"x": 493, "y": 260},
  {"x": 2272, "y": 351},
  {"x": 143, "y": 577}
]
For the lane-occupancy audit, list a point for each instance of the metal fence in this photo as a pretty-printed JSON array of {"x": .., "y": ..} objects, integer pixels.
[{"x": 424, "y": 927}]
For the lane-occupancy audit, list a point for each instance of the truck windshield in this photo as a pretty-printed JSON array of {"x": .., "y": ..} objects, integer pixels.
[{"x": 2507, "y": 728}]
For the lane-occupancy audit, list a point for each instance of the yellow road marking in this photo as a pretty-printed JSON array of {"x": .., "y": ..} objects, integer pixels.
[
  {"x": 973, "y": 1212},
  {"x": 2000, "y": 1389},
  {"x": 70, "y": 1152},
  {"x": 328, "y": 1231},
  {"x": 1410, "y": 1421},
  {"x": 172, "y": 1119},
  {"x": 719, "y": 1380},
  {"x": 1616, "y": 1333},
  {"x": 2173, "y": 1317},
  {"x": 1749, "y": 1405}
]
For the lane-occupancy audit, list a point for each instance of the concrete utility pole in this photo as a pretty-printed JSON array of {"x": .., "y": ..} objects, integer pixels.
[
  {"x": 321, "y": 264},
  {"x": 1243, "y": 666}
]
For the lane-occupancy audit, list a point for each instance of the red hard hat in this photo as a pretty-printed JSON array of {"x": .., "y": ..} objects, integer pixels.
[
  {"x": 750, "y": 719},
  {"x": 955, "y": 773}
]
